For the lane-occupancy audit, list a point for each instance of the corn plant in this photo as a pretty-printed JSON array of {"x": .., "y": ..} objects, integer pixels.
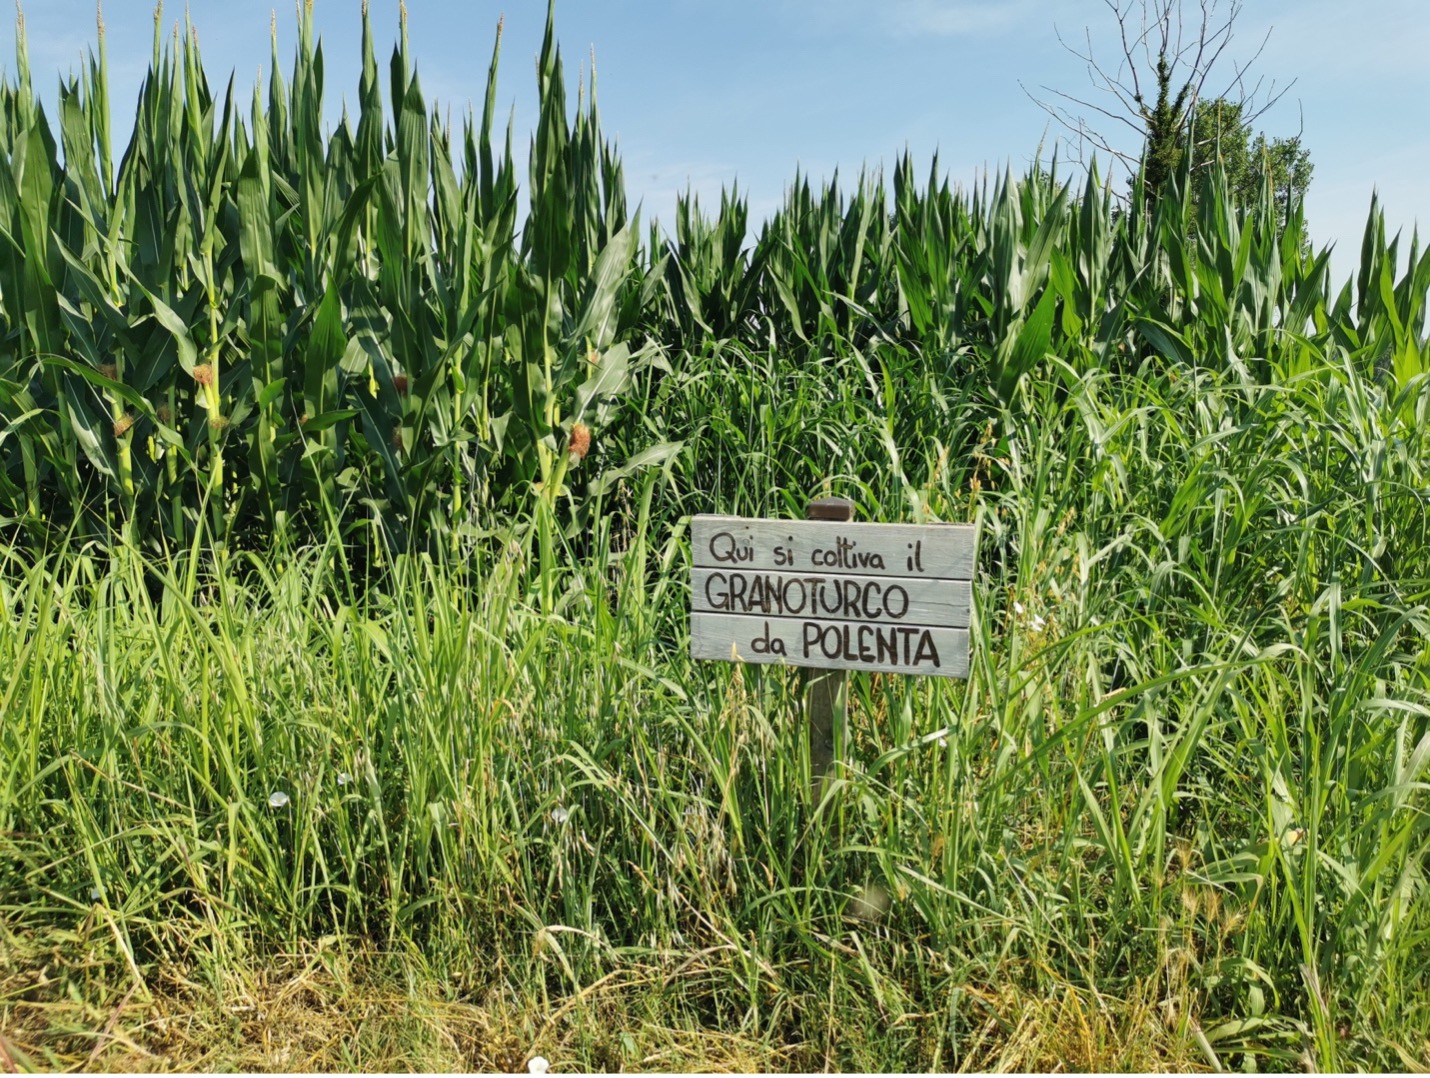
[{"x": 254, "y": 322}]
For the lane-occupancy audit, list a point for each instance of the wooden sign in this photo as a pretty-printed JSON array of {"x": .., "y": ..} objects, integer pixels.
[{"x": 833, "y": 595}]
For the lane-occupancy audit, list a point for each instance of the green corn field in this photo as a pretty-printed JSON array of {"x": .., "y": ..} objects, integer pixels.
[
  {"x": 345, "y": 476},
  {"x": 254, "y": 326}
]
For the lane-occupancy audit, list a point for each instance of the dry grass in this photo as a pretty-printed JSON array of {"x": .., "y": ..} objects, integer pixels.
[
  {"x": 66, "y": 1005},
  {"x": 315, "y": 1011},
  {"x": 1075, "y": 1032},
  {"x": 69, "y": 1003}
]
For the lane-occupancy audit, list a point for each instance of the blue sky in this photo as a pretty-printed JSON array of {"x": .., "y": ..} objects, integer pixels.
[{"x": 702, "y": 93}]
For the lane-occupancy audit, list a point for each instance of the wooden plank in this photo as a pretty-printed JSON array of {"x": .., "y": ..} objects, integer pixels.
[
  {"x": 835, "y": 645},
  {"x": 831, "y": 597},
  {"x": 927, "y": 551}
]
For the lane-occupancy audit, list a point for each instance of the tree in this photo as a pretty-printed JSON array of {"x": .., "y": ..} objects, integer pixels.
[
  {"x": 1219, "y": 134},
  {"x": 1160, "y": 86}
]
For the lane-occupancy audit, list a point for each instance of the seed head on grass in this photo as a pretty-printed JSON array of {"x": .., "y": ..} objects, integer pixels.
[
  {"x": 108, "y": 370},
  {"x": 870, "y": 904},
  {"x": 204, "y": 374},
  {"x": 123, "y": 425}
]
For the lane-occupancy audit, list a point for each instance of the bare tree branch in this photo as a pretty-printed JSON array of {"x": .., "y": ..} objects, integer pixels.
[{"x": 1167, "y": 56}]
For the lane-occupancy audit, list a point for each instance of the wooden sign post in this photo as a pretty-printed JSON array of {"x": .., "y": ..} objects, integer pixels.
[
  {"x": 834, "y": 596},
  {"x": 824, "y": 690}
]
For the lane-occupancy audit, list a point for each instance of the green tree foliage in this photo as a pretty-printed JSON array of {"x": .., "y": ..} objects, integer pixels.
[
  {"x": 1220, "y": 135},
  {"x": 1165, "y": 123}
]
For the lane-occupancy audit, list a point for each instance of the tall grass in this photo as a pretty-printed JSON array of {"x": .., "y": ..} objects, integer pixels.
[{"x": 1189, "y": 765}]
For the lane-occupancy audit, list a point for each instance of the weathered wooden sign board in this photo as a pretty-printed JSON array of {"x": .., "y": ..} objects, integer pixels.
[{"x": 832, "y": 594}]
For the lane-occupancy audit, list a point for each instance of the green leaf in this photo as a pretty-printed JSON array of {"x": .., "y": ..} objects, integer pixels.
[
  {"x": 328, "y": 419},
  {"x": 188, "y": 351},
  {"x": 1029, "y": 347},
  {"x": 271, "y": 392},
  {"x": 610, "y": 379},
  {"x": 1165, "y": 340},
  {"x": 660, "y": 453},
  {"x": 597, "y": 322},
  {"x": 326, "y": 346}
]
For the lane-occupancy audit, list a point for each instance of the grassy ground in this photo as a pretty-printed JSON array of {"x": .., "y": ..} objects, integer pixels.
[
  {"x": 324, "y": 1009},
  {"x": 255, "y": 813}
]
